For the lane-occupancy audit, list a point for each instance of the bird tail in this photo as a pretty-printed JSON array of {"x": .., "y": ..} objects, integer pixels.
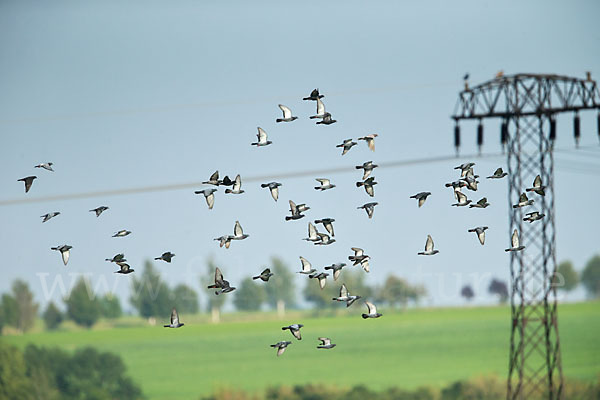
[
  {"x": 365, "y": 316},
  {"x": 157, "y": 258},
  {"x": 264, "y": 185},
  {"x": 288, "y": 218},
  {"x": 285, "y": 327},
  {"x": 278, "y": 120},
  {"x": 167, "y": 326},
  {"x": 255, "y": 277},
  {"x": 359, "y": 184},
  {"x": 53, "y": 248},
  {"x": 315, "y": 116},
  {"x": 212, "y": 287}
]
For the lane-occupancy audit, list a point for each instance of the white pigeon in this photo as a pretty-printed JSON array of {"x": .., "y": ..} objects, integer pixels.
[
  {"x": 516, "y": 246},
  {"x": 370, "y": 139},
  {"x": 372, "y": 311},
  {"x": 325, "y": 343},
  {"x": 307, "y": 268},
  {"x": 262, "y": 138},
  {"x": 238, "y": 233},
  {"x": 325, "y": 239},
  {"x": 287, "y": 114},
  {"x": 313, "y": 234},
  {"x": 174, "y": 320},
  {"x": 237, "y": 186},
  {"x": 325, "y": 184},
  {"x": 46, "y": 166},
  {"x": 320, "y": 110},
  {"x": 64, "y": 252},
  {"x": 429, "y": 251},
  {"x": 480, "y": 231},
  {"x": 462, "y": 199}
]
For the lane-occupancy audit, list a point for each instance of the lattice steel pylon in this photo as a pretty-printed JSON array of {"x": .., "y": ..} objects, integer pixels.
[{"x": 527, "y": 104}]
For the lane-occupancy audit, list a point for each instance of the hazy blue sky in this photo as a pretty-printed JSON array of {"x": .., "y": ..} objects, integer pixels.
[{"x": 122, "y": 95}]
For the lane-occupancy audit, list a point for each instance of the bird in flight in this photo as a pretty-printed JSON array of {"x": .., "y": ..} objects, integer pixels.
[
  {"x": 421, "y": 197},
  {"x": 174, "y": 320},
  {"x": 327, "y": 120},
  {"x": 307, "y": 268},
  {"x": 313, "y": 234},
  {"x": 281, "y": 346},
  {"x": 296, "y": 212},
  {"x": 47, "y": 166},
  {"x": 516, "y": 246},
  {"x": 209, "y": 196},
  {"x": 167, "y": 256},
  {"x": 314, "y": 95},
  {"x": 498, "y": 174},
  {"x": 238, "y": 233},
  {"x": 48, "y": 216},
  {"x": 346, "y": 145},
  {"x": 325, "y": 343},
  {"x": 65, "y": 252},
  {"x": 462, "y": 199},
  {"x": 320, "y": 110},
  {"x": 237, "y": 186},
  {"x": 482, "y": 203},
  {"x": 213, "y": 180},
  {"x": 325, "y": 184},
  {"x": 294, "y": 329},
  {"x": 533, "y": 216},
  {"x": 117, "y": 258},
  {"x": 28, "y": 180},
  {"x": 368, "y": 184},
  {"x": 480, "y": 231},
  {"x": 372, "y": 311},
  {"x": 273, "y": 188},
  {"x": 287, "y": 114},
  {"x": 327, "y": 223},
  {"x": 360, "y": 257},
  {"x": 369, "y": 208},
  {"x": 345, "y": 296},
  {"x": 122, "y": 233},
  {"x": 322, "y": 277},
  {"x": 337, "y": 269},
  {"x": 220, "y": 283},
  {"x": 523, "y": 201},
  {"x": 264, "y": 276},
  {"x": 99, "y": 210},
  {"x": 429, "y": 251},
  {"x": 124, "y": 268},
  {"x": 464, "y": 168},
  {"x": 262, "y": 138},
  {"x": 370, "y": 140},
  {"x": 367, "y": 167},
  {"x": 537, "y": 186}
]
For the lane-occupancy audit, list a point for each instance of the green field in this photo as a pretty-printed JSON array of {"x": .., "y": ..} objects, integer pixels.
[{"x": 408, "y": 349}]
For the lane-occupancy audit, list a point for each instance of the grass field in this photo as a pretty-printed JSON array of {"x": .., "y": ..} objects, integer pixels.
[{"x": 407, "y": 349}]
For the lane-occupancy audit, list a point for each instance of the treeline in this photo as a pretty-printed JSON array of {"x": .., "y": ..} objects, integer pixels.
[
  {"x": 53, "y": 374},
  {"x": 489, "y": 388}
]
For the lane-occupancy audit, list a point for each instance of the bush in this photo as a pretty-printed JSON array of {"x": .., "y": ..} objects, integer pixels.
[{"x": 52, "y": 316}]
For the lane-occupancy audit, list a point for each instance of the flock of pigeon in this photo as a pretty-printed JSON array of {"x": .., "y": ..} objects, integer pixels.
[{"x": 467, "y": 180}]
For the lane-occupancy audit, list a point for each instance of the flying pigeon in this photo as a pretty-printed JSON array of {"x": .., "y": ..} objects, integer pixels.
[
  {"x": 369, "y": 208},
  {"x": 64, "y": 252},
  {"x": 370, "y": 139},
  {"x": 471, "y": 180},
  {"x": 480, "y": 204},
  {"x": 345, "y": 296},
  {"x": 224, "y": 240},
  {"x": 124, "y": 268},
  {"x": 117, "y": 258},
  {"x": 226, "y": 181},
  {"x": 421, "y": 197},
  {"x": 537, "y": 186},
  {"x": 307, "y": 268},
  {"x": 523, "y": 201},
  {"x": 327, "y": 120},
  {"x": 325, "y": 343},
  {"x": 167, "y": 256},
  {"x": 368, "y": 184},
  {"x": 360, "y": 257},
  {"x": 208, "y": 195},
  {"x": 49, "y": 215},
  {"x": 46, "y": 166},
  {"x": 121, "y": 233},
  {"x": 220, "y": 283},
  {"x": 296, "y": 212},
  {"x": 264, "y": 276},
  {"x": 372, "y": 311},
  {"x": 322, "y": 277},
  {"x": 337, "y": 269},
  {"x": 325, "y": 184},
  {"x": 99, "y": 210},
  {"x": 314, "y": 95},
  {"x": 287, "y": 114},
  {"x": 313, "y": 235},
  {"x": 515, "y": 243},
  {"x": 429, "y": 251},
  {"x": 281, "y": 346},
  {"x": 327, "y": 223},
  {"x": 464, "y": 168},
  {"x": 480, "y": 231},
  {"x": 273, "y": 188},
  {"x": 237, "y": 186},
  {"x": 367, "y": 167},
  {"x": 213, "y": 180},
  {"x": 294, "y": 329},
  {"x": 498, "y": 174},
  {"x": 238, "y": 233},
  {"x": 262, "y": 138},
  {"x": 346, "y": 145},
  {"x": 325, "y": 239},
  {"x": 533, "y": 216},
  {"x": 320, "y": 110},
  {"x": 462, "y": 199},
  {"x": 302, "y": 207},
  {"x": 456, "y": 186},
  {"x": 28, "y": 181},
  {"x": 174, "y": 320}
]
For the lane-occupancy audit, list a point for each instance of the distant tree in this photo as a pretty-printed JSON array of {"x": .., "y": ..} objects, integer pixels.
[
  {"x": 27, "y": 309},
  {"x": 467, "y": 292},
  {"x": 499, "y": 288},
  {"x": 14, "y": 383},
  {"x": 590, "y": 276},
  {"x": 110, "y": 306},
  {"x": 186, "y": 299},
  {"x": 82, "y": 306},
  {"x": 397, "y": 291},
  {"x": 10, "y": 310},
  {"x": 52, "y": 316},
  {"x": 151, "y": 296},
  {"x": 215, "y": 302},
  {"x": 566, "y": 277},
  {"x": 249, "y": 296},
  {"x": 280, "y": 289}
]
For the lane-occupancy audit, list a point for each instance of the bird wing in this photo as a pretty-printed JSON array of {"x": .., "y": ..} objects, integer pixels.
[
  {"x": 371, "y": 307},
  {"x": 371, "y": 143},
  {"x": 537, "y": 182},
  {"x": 174, "y": 317},
  {"x": 65, "y": 256},
  {"x": 274, "y": 192},
  {"x": 325, "y": 341},
  {"x": 293, "y": 208},
  {"x": 218, "y": 276},
  {"x": 523, "y": 198},
  {"x": 210, "y": 200},
  {"x": 262, "y": 135},
  {"x": 481, "y": 236},
  {"x": 237, "y": 229},
  {"x": 320, "y": 107},
  {"x": 237, "y": 184},
  {"x": 329, "y": 227},
  {"x": 322, "y": 281},
  {"x": 287, "y": 113},
  {"x": 343, "y": 291},
  {"x": 498, "y": 172},
  {"x": 515, "y": 239},
  {"x": 357, "y": 251},
  {"x": 370, "y": 210},
  {"x": 369, "y": 189},
  {"x": 312, "y": 231},
  {"x": 482, "y": 201},
  {"x": 280, "y": 350},
  {"x": 460, "y": 196},
  {"x": 267, "y": 271},
  {"x": 429, "y": 243},
  {"x": 306, "y": 266},
  {"x": 364, "y": 263},
  {"x": 214, "y": 176},
  {"x": 323, "y": 181},
  {"x": 296, "y": 333},
  {"x": 336, "y": 274}
]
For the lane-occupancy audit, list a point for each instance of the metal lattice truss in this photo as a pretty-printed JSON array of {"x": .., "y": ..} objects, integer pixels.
[
  {"x": 527, "y": 94},
  {"x": 534, "y": 366}
]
